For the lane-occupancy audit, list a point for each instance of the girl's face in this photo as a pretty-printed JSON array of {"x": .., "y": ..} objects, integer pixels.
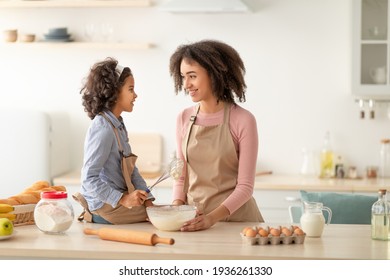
[
  {"x": 126, "y": 98},
  {"x": 196, "y": 81}
]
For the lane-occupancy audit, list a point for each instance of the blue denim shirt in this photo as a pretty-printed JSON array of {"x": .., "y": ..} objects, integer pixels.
[{"x": 101, "y": 176}]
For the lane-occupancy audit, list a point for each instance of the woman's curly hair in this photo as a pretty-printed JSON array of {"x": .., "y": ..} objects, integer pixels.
[
  {"x": 222, "y": 62},
  {"x": 102, "y": 86}
]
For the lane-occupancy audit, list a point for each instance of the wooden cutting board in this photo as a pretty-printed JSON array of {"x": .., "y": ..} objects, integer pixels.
[{"x": 149, "y": 149}]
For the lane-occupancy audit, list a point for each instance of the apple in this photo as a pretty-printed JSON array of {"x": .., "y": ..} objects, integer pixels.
[{"x": 6, "y": 227}]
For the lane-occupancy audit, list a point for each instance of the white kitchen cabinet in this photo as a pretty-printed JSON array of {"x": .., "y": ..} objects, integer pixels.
[
  {"x": 370, "y": 47},
  {"x": 273, "y": 204}
]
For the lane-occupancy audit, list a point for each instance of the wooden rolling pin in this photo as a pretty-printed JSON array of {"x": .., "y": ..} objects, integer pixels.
[{"x": 129, "y": 236}]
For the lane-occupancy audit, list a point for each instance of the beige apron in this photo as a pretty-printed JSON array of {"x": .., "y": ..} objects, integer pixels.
[
  {"x": 119, "y": 214},
  {"x": 212, "y": 168}
]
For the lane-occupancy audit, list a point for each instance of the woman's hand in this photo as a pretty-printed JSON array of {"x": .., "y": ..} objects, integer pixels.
[
  {"x": 177, "y": 202},
  {"x": 136, "y": 198},
  {"x": 201, "y": 222}
]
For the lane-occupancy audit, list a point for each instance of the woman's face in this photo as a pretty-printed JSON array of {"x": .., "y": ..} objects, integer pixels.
[
  {"x": 126, "y": 98},
  {"x": 196, "y": 81}
]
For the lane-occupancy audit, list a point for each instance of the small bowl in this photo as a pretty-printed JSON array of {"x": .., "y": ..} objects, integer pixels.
[
  {"x": 58, "y": 31},
  {"x": 170, "y": 217},
  {"x": 10, "y": 35},
  {"x": 27, "y": 38}
]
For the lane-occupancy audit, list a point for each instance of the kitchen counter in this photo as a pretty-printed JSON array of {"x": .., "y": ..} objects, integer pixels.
[
  {"x": 223, "y": 241},
  {"x": 274, "y": 193},
  {"x": 272, "y": 182}
]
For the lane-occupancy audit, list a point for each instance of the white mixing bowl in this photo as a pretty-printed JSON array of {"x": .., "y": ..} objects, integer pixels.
[{"x": 170, "y": 217}]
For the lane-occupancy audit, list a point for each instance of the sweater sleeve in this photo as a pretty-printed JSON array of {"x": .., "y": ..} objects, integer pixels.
[
  {"x": 178, "y": 186},
  {"x": 243, "y": 128}
]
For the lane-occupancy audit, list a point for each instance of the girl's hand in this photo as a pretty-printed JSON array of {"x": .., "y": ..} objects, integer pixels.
[
  {"x": 148, "y": 203},
  {"x": 136, "y": 198}
]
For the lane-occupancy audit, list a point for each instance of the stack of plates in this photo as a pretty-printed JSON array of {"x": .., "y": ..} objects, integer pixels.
[{"x": 58, "y": 34}]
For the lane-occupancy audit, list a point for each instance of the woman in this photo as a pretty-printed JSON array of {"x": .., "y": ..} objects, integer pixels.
[
  {"x": 112, "y": 189},
  {"x": 217, "y": 139}
]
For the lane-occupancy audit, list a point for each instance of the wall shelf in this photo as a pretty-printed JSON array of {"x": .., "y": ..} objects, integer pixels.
[
  {"x": 74, "y": 3},
  {"x": 80, "y": 45}
]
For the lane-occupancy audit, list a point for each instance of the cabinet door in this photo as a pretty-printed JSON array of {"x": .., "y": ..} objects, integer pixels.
[
  {"x": 273, "y": 204},
  {"x": 371, "y": 49}
]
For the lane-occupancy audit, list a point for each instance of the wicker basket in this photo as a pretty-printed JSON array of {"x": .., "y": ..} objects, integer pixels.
[{"x": 24, "y": 214}]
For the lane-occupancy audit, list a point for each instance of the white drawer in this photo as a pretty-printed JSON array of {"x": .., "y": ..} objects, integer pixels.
[{"x": 276, "y": 199}]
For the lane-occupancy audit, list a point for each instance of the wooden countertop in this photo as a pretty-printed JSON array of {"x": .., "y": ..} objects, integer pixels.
[
  {"x": 223, "y": 241},
  {"x": 271, "y": 182}
]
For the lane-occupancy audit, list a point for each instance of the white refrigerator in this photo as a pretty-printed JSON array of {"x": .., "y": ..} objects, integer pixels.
[{"x": 34, "y": 146}]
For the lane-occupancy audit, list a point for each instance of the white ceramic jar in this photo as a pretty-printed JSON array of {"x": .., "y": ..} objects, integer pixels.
[{"x": 54, "y": 213}]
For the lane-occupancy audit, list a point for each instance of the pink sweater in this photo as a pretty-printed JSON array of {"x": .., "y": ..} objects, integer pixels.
[{"x": 243, "y": 129}]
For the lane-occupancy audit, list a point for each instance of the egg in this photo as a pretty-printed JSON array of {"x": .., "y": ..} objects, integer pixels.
[
  {"x": 286, "y": 231},
  {"x": 245, "y": 229},
  {"x": 274, "y": 232},
  {"x": 263, "y": 233},
  {"x": 250, "y": 232},
  {"x": 298, "y": 231}
]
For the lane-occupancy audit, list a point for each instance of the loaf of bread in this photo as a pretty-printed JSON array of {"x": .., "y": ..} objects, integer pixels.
[{"x": 32, "y": 194}]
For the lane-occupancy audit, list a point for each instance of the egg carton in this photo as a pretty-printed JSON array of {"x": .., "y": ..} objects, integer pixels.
[
  {"x": 283, "y": 237},
  {"x": 273, "y": 240}
]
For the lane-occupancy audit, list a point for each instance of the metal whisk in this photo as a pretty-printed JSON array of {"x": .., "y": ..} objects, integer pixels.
[
  {"x": 163, "y": 177},
  {"x": 173, "y": 170}
]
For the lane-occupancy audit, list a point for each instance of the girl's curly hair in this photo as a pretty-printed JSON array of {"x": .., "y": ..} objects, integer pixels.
[
  {"x": 222, "y": 62},
  {"x": 102, "y": 86}
]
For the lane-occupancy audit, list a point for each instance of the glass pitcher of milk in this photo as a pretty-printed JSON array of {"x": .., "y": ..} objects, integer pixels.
[{"x": 313, "y": 220}]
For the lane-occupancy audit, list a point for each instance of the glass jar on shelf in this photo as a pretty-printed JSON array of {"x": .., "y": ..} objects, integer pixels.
[{"x": 384, "y": 163}]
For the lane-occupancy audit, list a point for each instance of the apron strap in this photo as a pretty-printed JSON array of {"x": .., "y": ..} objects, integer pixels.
[
  {"x": 187, "y": 137},
  {"x": 86, "y": 214},
  {"x": 128, "y": 163},
  {"x": 115, "y": 131}
]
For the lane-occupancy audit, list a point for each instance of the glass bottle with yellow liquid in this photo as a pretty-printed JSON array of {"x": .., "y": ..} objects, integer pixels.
[{"x": 327, "y": 158}]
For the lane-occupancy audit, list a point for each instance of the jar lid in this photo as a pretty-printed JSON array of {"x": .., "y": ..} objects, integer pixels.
[{"x": 54, "y": 194}]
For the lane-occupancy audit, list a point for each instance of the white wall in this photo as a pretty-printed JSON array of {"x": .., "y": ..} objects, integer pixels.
[{"x": 298, "y": 61}]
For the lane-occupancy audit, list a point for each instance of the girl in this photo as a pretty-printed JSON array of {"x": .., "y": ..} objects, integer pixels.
[{"x": 112, "y": 190}]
